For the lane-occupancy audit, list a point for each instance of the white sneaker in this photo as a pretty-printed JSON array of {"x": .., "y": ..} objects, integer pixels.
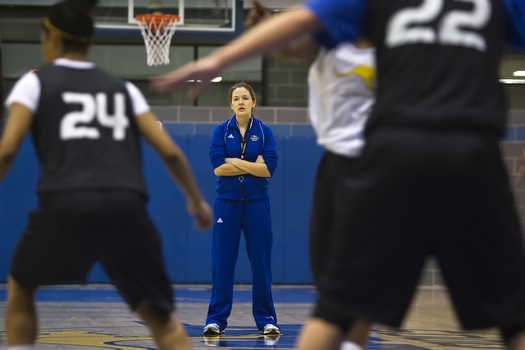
[
  {"x": 346, "y": 345},
  {"x": 271, "y": 329},
  {"x": 271, "y": 340},
  {"x": 212, "y": 341},
  {"x": 212, "y": 330}
]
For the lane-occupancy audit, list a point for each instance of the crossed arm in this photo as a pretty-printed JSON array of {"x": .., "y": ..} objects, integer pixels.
[{"x": 237, "y": 166}]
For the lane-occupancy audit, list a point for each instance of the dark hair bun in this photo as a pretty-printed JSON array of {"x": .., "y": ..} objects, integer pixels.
[
  {"x": 73, "y": 17},
  {"x": 83, "y": 6}
]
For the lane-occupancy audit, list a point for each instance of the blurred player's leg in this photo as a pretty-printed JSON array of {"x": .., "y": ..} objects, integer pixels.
[
  {"x": 517, "y": 342},
  {"x": 348, "y": 345},
  {"x": 357, "y": 336},
  {"x": 319, "y": 334},
  {"x": 21, "y": 321},
  {"x": 168, "y": 332}
]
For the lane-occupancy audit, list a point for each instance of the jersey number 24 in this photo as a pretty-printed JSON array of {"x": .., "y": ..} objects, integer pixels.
[
  {"x": 73, "y": 124},
  {"x": 456, "y": 27}
]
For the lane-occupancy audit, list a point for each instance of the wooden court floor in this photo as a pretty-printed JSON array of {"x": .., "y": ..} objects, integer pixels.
[{"x": 94, "y": 317}]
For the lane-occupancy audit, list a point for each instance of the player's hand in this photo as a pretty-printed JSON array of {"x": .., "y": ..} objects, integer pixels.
[
  {"x": 202, "y": 213},
  {"x": 521, "y": 168},
  {"x": 256, "y": 14},
  {"x": 260, "y": 159},
  {"x": 197, "y": 75}
]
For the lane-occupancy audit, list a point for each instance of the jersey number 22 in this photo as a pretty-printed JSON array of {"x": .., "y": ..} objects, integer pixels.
[
  {"x": 456, "y": 27},
  {"x": 73, "y": 124}
]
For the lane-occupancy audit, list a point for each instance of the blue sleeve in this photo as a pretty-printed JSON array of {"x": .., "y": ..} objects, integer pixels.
[
  {"x": 343, "y": 20},
  {"x": 270, "y": 150},
  {"x": 217, "y": 147},
  {"x": 515, "y": 11}
]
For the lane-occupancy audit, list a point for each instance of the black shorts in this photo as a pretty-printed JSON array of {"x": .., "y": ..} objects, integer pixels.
[
  {"x": 417, "y": 193},
  {"x": 70, "y": 231},
  {"x": 333, "y": 169}
]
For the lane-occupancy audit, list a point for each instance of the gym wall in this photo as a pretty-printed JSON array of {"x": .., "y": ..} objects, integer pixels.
[{"x": 186, "y": 250}]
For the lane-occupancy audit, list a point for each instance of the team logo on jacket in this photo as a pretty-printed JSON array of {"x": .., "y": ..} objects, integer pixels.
[
  {"x": 230, "y": 136},
  {"x": 254, "y": 137}
]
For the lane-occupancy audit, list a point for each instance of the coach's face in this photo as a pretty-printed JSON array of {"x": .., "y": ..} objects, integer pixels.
[{"x": 242, "y": 102}]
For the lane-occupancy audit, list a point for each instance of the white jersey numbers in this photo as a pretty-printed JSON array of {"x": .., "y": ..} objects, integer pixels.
[
  {"x": 73, "y": 125},
  {"x": 70, "y": 127},
  {"x": 407, "y": 26},
  {"x": 456, "y": 27},
  {"x": 119, "y": 122}
]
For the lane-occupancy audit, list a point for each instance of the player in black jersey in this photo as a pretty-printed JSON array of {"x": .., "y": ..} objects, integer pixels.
[
  {"x": 86, "y": 126},
  {"x": 431, "y": 180}
]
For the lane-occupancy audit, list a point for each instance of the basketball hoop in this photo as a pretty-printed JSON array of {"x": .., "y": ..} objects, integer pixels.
[{"x": 157, "y": 30}]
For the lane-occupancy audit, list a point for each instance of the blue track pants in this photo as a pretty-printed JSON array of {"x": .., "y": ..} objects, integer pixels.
[{"x": 253, "y": 219}]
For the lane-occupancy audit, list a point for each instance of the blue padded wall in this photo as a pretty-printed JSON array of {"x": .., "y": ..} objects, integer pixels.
[{"x": 187, "y": 250}]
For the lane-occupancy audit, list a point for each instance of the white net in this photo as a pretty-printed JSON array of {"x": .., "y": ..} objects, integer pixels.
[{"x": 157, "y": 31}]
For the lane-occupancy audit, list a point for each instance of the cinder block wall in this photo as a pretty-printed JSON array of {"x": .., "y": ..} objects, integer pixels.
[{"x": 287, "y": 83}]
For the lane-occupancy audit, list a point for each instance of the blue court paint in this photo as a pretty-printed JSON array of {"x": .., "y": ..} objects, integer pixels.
[
  {"x": 248, "y": 337},
  {"x": 107, "y": 294}
]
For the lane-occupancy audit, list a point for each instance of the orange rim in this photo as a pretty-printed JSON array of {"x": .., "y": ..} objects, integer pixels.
[{"x": 157, "y": 18}]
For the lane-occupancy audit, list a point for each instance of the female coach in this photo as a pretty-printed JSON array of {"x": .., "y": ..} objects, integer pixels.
[{"x": 243, "y": 155}]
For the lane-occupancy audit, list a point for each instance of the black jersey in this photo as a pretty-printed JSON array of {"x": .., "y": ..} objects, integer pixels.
[
  {"x": 438, "y": 63},
  {"x": 85, "y": 131}
]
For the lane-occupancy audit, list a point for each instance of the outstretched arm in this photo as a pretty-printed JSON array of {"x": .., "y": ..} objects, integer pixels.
[
  {"x": 337, "y": 20},
  {"x": 21, "y": 102},
  {"x": 299, "y": 49},
  {"x": 177, "y": 165},
  {"x": 265, "y": 37}
]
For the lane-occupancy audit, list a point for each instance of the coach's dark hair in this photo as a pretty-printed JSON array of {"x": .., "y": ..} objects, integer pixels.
[
  {"x": 73, "y": 21},
  {"x": 242, "y": 84}
]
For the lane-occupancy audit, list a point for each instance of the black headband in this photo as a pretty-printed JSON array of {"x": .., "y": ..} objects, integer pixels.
[{"x": 69, "y": 21}]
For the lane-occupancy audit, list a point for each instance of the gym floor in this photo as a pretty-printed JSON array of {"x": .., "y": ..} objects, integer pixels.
[{"x": 94, "y": 317}]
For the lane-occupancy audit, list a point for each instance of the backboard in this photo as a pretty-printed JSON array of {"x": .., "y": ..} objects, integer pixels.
[{"x": 210, "y": 17}]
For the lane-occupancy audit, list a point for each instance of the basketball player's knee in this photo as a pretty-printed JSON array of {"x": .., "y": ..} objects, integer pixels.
[
  {"x": 511, "y": 333},
  {"x": 154, "y": 312},
  {"x": 330, "y": 315},
  {"x": 18, "y": 290}
]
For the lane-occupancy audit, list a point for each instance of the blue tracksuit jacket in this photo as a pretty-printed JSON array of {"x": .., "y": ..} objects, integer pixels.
[{"x": 226, "y": 143}]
